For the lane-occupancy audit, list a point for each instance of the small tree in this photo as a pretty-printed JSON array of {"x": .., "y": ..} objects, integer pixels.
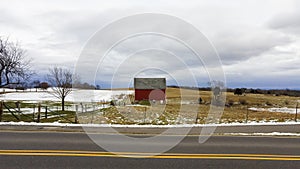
[{"x": 61, "y": 81}]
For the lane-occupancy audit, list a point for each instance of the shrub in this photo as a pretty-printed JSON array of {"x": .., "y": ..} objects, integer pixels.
[
  {"x": 144, "y": 102},
  {"x": 243, "y": 101},
  {"x": 268, "y": 103},
  {"x": 286, "y": 102},
  {"x": 230, "y": 102}
]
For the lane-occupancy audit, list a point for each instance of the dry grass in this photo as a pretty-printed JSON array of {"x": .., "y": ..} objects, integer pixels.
[{"x": 175, "y": 113}]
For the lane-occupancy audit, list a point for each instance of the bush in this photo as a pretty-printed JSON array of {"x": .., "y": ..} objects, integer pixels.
[
  {"x": 243, "y": 102},
  {"x": 286, "y": 102},
  {"x": 112, "y": 103},
  {"x": 230, "y": 102},
  {"x": 144, "y": 102},
  {"x": 268, "y": 103}
]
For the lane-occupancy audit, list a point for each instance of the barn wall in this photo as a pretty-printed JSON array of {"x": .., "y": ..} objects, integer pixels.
[{"x": 143, "y": 94}]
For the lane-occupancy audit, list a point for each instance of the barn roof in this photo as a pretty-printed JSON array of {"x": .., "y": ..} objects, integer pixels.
[{"x": 150, "y": 83}]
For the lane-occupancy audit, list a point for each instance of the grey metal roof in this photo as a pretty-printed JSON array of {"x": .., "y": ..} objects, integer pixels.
[{"x": 150, "y": 83}]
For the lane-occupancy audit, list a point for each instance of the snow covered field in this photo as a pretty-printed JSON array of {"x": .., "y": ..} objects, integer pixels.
[
  {"x": 80, "y": 97},
  {"x": 74, "y": 96}
]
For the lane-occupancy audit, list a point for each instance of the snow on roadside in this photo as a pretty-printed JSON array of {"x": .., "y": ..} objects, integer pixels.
[
  {"x": 263, "y": 134},
  {"x": 57, "y": 124}
]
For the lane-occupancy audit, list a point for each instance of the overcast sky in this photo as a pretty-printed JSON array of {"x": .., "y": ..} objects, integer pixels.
[{"x": 258, "y": 41}]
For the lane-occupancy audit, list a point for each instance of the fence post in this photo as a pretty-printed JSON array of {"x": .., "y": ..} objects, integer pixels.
[
  {"x": 81, "y": 107},
  {"x": 76, "y": 118},
  {"x": 247, "y": 114},
  {"x": 1, "y": 110},
  {"x": 145, "y": 115},
  {"x": 296, "y": 113},
  {"x": 33, "y": 112},
  {"x": 19, "y": 109},
  {"x": 46, "y": 112},
  {"x": 76, "y": 111},
  {"x": 39, "y": 113},
  {"x": 197, "y": 118}
]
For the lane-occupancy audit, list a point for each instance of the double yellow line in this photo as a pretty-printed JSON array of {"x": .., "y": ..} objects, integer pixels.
[{"x": 73, "y": 153}]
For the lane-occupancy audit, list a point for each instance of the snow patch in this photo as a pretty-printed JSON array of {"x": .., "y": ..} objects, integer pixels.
[
  {"x": 274, "y": 109},
  {"x": 264, "y": 134},
  {"x": 57, "y": 124},
  {"x": 76, "y": 95}
]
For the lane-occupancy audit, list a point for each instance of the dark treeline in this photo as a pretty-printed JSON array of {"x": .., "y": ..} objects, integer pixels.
[{"x": 242, "y": 91}]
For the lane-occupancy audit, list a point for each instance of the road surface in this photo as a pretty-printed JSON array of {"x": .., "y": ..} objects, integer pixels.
[{"x": 76, "y": 150}]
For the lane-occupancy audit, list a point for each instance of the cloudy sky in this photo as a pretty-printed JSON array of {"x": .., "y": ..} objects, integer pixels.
[{"x": 257, "y": 41}]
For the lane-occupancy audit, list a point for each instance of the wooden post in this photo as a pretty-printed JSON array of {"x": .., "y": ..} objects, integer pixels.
[
  {"x": 39, "y": 113},
  {"x": 247, "y": 114},
  {"x": 46, "y": 112},
  {"x": 196, "y": 122},
  {"x": 1, "y": 110},
  {"x": 197, "y": 118},
  {"x": 145, "y": 115},
  {"x": 19, "y": 109},
  {"x": 76, "y": 108},
  {"x": 76, "y": 111},
  {"x": 81, "y": 107},
  {"x": 33, "y": 113},
  {"x": 296, "y": 113},
  {"x": 92, "y": 117},
  {"x": 76, "y": 118}
]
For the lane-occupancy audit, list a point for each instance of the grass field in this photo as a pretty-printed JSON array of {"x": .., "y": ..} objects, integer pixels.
[
  {"x": 235, "y": 111},
  {"x": 181, "y": 108}
]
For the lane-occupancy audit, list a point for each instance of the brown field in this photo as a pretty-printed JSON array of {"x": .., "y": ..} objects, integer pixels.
[
  {"x": 182, "y": 108},
  {"x": 173, "y": 112}
]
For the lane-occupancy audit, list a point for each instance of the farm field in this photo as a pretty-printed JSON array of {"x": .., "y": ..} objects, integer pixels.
[{"x": 114, "y": 107}]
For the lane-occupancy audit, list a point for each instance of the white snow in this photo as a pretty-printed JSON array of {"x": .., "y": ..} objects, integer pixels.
[
  {"x": 57, "y": 124},
  {"x": 274, "y": 109},
  {"x": 264, "y": 134},
  {"x": 75, "y": 96}
]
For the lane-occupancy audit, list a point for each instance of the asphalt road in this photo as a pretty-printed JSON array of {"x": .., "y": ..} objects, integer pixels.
[{"x": 76, "y": 150}]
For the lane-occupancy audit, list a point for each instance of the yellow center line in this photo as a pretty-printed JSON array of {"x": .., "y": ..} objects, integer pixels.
[{"x": 74, "y": 153}]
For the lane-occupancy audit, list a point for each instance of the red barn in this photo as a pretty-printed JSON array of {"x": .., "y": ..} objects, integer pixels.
[{"x": 150, "y": 89}]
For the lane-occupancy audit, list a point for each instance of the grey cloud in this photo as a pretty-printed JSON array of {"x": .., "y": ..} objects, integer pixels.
[
  {"x": 289, "y": 23},
  {"x": 56, "y": 35},
  {"x": 234, "y": 47}
]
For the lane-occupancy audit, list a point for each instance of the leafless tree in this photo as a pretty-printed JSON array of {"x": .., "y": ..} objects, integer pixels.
[
  {"x": 61, "y": 81},
  {"x": 14, "y": 68}
]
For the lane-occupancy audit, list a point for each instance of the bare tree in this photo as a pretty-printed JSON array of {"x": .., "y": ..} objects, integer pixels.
[
  {"x": 61, "y": 81},
  {"x": 14, "y": 68}
]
